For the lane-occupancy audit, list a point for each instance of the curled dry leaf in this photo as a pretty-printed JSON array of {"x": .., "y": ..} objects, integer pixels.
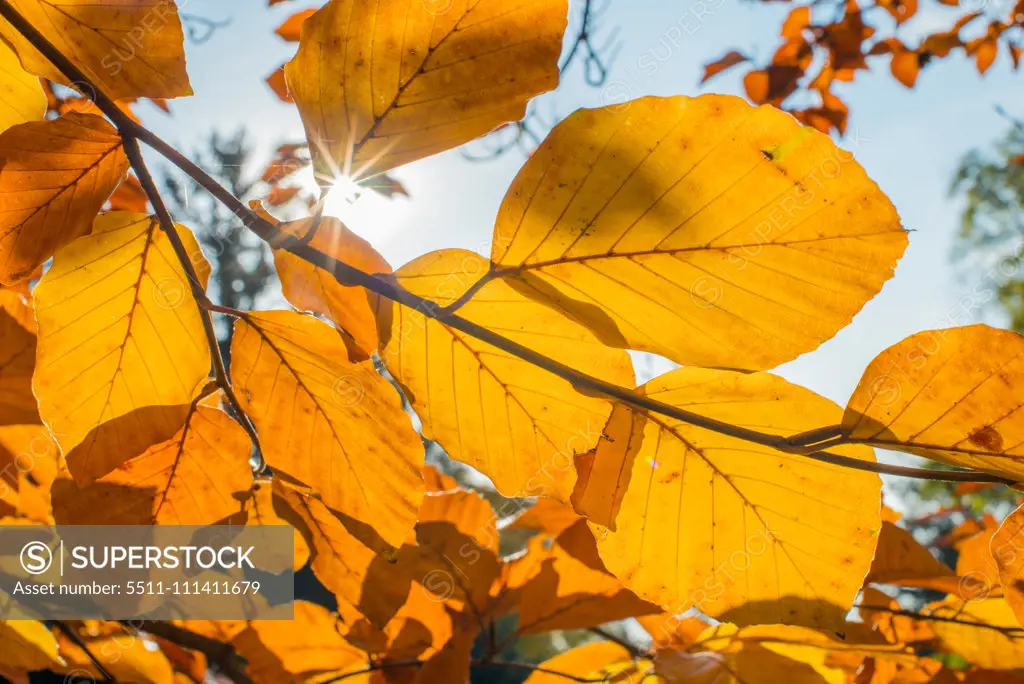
[
  {"x": 702, "y": 229},
  {"x": 951, "y": 395},
  {"x": 54, "y": 178},
  {"x": 412, "y": 81},
  {"x": 328, "y": 422},
  {"x": 742, "y": 532},
  {"x": 518, "y": 424},
  {"x": 121, "y": 349}
]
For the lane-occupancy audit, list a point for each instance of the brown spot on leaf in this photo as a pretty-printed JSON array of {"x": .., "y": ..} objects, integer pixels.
[{"x": 987, "y": 438}]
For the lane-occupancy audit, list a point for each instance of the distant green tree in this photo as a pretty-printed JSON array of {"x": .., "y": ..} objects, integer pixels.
[{"x": 990, "y": 245}]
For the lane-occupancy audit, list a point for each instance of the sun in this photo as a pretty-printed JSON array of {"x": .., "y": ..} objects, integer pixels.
[{"x": 365, "y": 212}]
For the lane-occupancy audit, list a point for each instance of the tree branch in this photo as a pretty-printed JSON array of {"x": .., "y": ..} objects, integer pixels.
[
  {"x": 134, "y": 154},
  {"x": 350, "y": 276},
  {"x": 534, "y": 668},
  {"x": 1015, "y": 632},
  {"x": 608, "y": 636}
]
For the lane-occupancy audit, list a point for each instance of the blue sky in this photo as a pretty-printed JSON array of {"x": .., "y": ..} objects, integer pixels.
[{"x": 908, "y": 140}]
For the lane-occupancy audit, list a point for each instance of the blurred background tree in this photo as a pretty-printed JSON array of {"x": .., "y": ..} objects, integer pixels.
[{"x": 242, "y": 263}]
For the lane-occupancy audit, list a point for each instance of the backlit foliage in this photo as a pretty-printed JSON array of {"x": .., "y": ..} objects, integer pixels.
[
  {"x": 824, "y": 44},
  {"x": 736, "y": 516}
]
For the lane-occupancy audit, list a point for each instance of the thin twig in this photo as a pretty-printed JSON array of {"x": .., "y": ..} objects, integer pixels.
[
  {"x": 351, "y": 276},
  {"x": 536, "y": 668},
  {"x": 1016, "y": 632},
  {"x": 80, "y": 642},
  {"x": 134, "y": 154},
  {"x": 635, "y": 651},
  {"x": 386, "y": 665}
]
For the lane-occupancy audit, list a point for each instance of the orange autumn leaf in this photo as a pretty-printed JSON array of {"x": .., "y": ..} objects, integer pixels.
[
  {"x": 726, "y": 61},
  {"x": 900, "y": 559},
  {"x": 191, "y": 479},
  {"x": 116, "y": 44},
  {"x": 1005, "y": 547},
  {"x": 296, "y": 383},
  {"x": 55, "y": 177},
  {"x": 17, "y": 360},
  {"x": 311, "y": 643},
  {"x": 307, "y": 287},
  {"x": 947, "y": 395},
  {"x": 573, "y": 590},
  {"x": 291, "y": 28},
  {"x": 446, "y": 73}
]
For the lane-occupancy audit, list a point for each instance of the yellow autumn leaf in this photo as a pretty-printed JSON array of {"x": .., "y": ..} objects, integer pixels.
[
  {"x": 121, "y": 347},
  {"x": 311, "y": 288},
  {"x": 128, "y": 48},
  {"x": 573, "y": 590},
  {"x": 333, "y": 424},
  {"x": 984, "y": 632},
  {"x": 27, "y": 645},
  {"x": 54, "y": 178},
  {"x": 702, "y": 229},
  {"x": 950, "y": 395},
  {"x": 1006, "y": 548},
  {"x": 516, "y": 423},
  {"x": 601, "y": 661},
  {"x": 191, "y": 479},
  {"x": 21, "y": 97},
  {"x": 17, "y": 360},
  {"x": 901, "y": 559},
  {"x": 380, "y": 85},
  {"x": 742, "y": 532}
]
